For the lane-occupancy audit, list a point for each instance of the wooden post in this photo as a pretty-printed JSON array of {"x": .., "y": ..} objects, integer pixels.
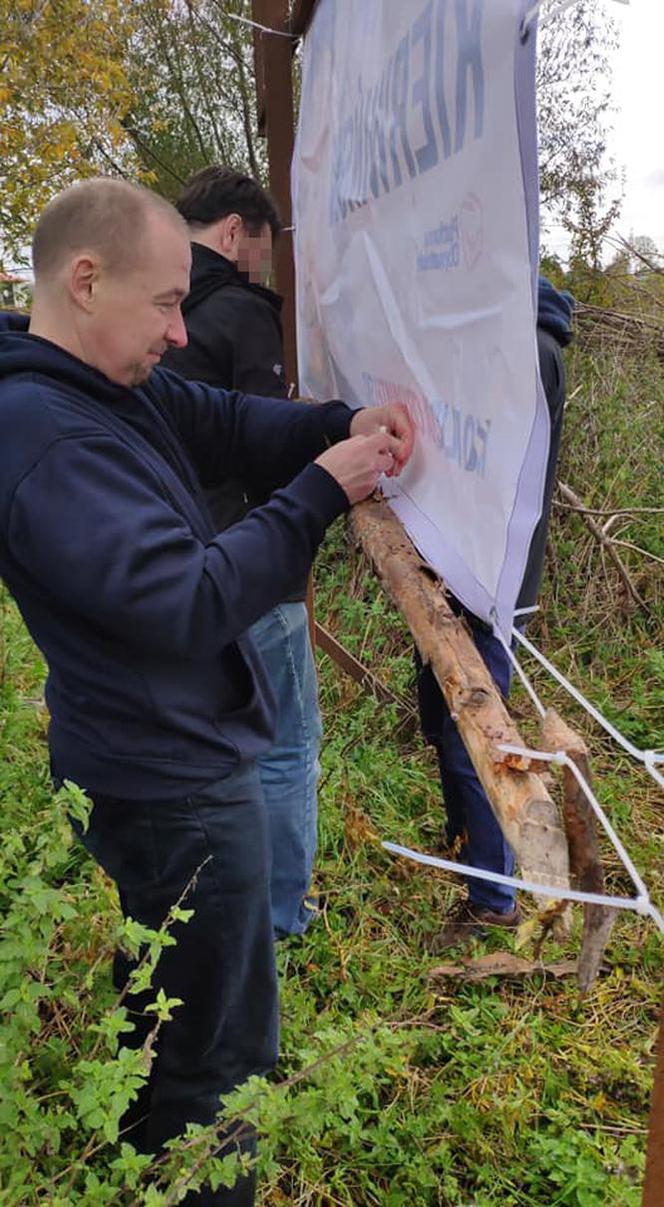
[{"x": 526, "y": 813}]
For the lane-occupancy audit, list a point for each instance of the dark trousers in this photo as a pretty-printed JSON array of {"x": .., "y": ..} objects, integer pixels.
[
  {"x": 471, "y": 824},
  {"x": 222, "y": 965},
  {"x": 469, "y": 814}
]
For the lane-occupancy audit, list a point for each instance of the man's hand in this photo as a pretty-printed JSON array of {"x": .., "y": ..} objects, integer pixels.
[
  {"x": 357, "y": 463},
  {"x": 394, "y": 421}
]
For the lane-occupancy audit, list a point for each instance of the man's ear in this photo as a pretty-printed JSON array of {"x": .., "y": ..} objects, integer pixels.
[
  {"x": 83, "y": 281},
  {"x": 230, "y": 232}
]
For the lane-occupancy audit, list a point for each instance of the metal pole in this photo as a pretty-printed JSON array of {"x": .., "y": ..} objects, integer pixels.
[
  {"x": 274, "y": 64},
  {"x": 274, "y": 75}
]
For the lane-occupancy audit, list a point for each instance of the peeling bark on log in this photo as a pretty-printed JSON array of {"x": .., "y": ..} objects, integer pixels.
[
  {"x": 584, "y": 853},
  {"x": 526, "y": 813}
]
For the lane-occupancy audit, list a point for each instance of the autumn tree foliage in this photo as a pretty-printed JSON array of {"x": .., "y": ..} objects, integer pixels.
[
  {"x": 155, "y": 89},
  {"x": 191, "y": 64},
  {"x": 64, "y": 92}
]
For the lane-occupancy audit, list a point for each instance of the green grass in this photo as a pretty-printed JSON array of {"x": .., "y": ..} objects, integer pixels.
[{"x": 420, "y": 1091}]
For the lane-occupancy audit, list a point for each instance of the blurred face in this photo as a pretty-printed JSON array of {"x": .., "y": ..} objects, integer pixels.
[
  {"x": 254, "y": 254},
  {"x": 132, "y": 318}
]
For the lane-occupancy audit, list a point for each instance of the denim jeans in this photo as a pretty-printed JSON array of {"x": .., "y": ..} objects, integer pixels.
[
  {"x": 289, "y": 771},
  {"x": 470, "y": 817},
  {"x": 223, "y": 963}
]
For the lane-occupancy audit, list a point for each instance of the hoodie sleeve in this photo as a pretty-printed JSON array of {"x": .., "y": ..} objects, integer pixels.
[
  {"x": 102, "y": 539},
  {"x": 263, "y": 441}
]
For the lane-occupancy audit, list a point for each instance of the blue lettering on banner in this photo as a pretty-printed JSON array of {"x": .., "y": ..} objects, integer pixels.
[
  {"x": 442, "y": 248},
  {"x": 426, "y": 155},
  {"x": 373, "y": 152},
  {"x": 470, "y": 59},
  {"x": 461, "y": 437},
  {"x": 441, "y": 105}
]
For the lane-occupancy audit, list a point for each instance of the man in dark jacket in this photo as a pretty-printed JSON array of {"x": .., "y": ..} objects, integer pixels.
[
  {"x": 473, "y": 833},
  {"x": 159, "y": 702},
  {"x": 235, "y": 341}
]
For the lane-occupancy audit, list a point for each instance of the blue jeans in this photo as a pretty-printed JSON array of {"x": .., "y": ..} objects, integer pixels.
[
  {"x": 470, "y": 817},
  {"x": 289, "y": 771},
  {"x": 222, "y": 965}
]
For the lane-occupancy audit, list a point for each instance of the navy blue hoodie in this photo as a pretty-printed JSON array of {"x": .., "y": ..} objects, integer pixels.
[
  {"x": 108, "y": 547},
  {"x": 554, "y": 310}
]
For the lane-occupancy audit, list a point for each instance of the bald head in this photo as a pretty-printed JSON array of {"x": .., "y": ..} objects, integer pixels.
[
  {"x": 102, "y": 216},
  {"x": 111, "y": 265}
]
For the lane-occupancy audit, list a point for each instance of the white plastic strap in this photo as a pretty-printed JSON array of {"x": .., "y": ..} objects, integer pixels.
[
  {"x": 265, "y": 29},
  {"x": 522, "y": 674},
  {"x": 563, "y": 759},
  {"x": 649, "y": 758},
  {"x": 640, "y": 905}
]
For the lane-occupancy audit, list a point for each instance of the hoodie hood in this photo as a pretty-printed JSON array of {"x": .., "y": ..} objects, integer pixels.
[
  {"x": 11, "y": 320},
  {"x": 23, "y": 353},
  {"x": 211, "y": 271},
  {"x": 554, "y": 311}
]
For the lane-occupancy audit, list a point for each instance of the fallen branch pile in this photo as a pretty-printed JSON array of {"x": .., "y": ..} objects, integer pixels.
[{"x": 627, "y": 333}]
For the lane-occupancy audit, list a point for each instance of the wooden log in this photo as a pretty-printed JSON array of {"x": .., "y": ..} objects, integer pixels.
[
  {"x": 525, "y": 812},
  {"x": 584, "y": 854}
]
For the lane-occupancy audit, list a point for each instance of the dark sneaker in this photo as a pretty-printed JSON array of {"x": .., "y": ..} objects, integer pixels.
[{"x": 465, "y": 922}]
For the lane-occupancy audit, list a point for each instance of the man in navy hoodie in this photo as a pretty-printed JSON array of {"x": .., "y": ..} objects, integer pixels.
[{"x": 159, "y": 702}]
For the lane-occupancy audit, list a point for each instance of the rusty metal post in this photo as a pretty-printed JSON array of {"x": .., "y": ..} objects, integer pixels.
[
  {"x": 273, "y": 56},
  {"x": 653, "y": 1189}
]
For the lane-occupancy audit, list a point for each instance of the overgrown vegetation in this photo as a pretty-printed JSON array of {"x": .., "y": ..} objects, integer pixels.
[{"x": 394, "y": 1087}]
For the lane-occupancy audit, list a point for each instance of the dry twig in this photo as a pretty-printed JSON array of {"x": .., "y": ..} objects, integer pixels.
[{"x": 606, "y": 542}]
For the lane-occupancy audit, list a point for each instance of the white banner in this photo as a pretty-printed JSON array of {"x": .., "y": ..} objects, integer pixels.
[{"x": 415, "y": 192}]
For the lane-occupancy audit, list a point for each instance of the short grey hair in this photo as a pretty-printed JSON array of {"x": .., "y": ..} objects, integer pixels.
[{"x": 103, "y": 215}]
